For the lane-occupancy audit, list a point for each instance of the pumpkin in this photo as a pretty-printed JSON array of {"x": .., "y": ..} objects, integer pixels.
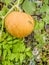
[{"x": 19, "y": 24}]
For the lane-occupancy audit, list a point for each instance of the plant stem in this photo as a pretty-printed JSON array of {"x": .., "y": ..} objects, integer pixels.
[
  {"x": 9, "y": 11},
  {"x": 12, "y": 9},
  {"x": 17, "y": 6},
  {"x": 2, "y": 25},
  {"x": 2, "y": 17},
  {"x": 18, "y": 2}
]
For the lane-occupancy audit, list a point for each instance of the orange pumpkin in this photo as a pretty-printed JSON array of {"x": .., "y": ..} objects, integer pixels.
[{"x": 19, "y": 24}]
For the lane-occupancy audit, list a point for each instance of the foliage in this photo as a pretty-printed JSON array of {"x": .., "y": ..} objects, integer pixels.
[
  {"x": 28, "y": 7},
  {"x": 14, "y": 51}
]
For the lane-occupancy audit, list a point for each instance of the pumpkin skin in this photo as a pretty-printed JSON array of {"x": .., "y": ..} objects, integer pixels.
[{"x": 19, "y": 24}]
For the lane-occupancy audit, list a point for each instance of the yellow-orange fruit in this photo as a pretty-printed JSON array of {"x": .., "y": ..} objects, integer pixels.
[{"x": 19, "y": 24}]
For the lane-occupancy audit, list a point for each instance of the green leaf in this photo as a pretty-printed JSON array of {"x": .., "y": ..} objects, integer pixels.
[
  {"x": 0, "y": 21},
  {"x": 44, "y": 8},
  {"x": 28, "y": 7},
  {"x": 41, "y": 25},
  {"x": 22, "y": 57},
  {"x": 44, "y": 58},
  {"x": 0, "y": 13},
  {"x": 3, "y": 11},
  {"x": 27, "y": 49},
  {"x": 11, "y": 63},
  {"x": 10, "y": 42},
  {"x": 7, "y": 1},
  {"x": 17, "y": 57},
  {"x": 9, "y": 38},
  {"x": 7, "y": 62},
  {"x": 12, "y": 56},
  {"x": 21, "y": 1},
  {"x": 0, "y": 52},
  {"x": 4, "y": 62},
  {"x": 46, "y": 1},
  {"x": 19, "y": 47},
  {"x": 40, "y": 38},
  {"x": 46, "y": 19},
  {"x": 4, "y": 34},
  {"x": 4, "y": 54},
  {"x": 36, "y": 25},
  {"x": 29, "y": 54},
  {"x": 5, "y": 46},
  {"x": 15, "y": 41}
]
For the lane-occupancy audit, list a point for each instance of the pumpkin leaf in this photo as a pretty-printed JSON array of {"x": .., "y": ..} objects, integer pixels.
[
  {"x": 28, "y": 7},
  {"x": 46, "y": 19},
  {"x": 44, "y": 8}
]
